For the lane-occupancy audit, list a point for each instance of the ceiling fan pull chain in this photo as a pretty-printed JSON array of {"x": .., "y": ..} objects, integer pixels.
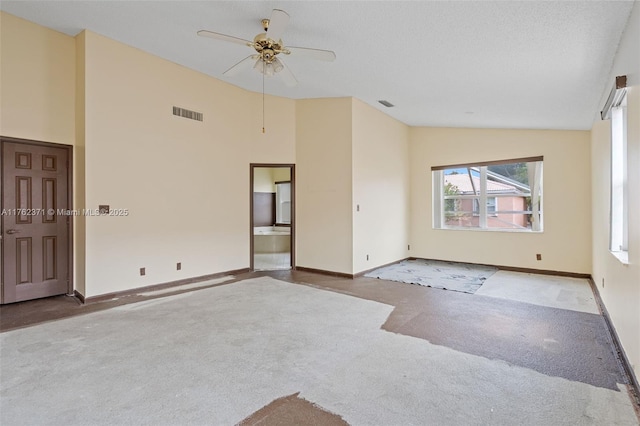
[{"x": 263, "y": 103}]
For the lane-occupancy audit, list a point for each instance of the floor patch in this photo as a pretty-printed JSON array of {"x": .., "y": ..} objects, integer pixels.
[
  {"x": 292, "y": 410},
  {"x": 455, "y": 276},
  {"x": 552, "y": 341},
  {"x": 544, "y": 290}
]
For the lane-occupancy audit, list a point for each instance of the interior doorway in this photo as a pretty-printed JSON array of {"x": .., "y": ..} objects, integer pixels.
[
  {"x": 35, "y": 233},
  {"x": 272, "y": 216}
]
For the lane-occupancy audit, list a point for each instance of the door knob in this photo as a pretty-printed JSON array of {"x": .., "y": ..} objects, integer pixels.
[{"x": 13, "y": 231}]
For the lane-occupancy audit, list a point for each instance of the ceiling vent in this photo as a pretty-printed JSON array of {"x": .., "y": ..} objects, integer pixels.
[
  {"x": 386, "y": 103},
  {"x": 191, "y": 115}
]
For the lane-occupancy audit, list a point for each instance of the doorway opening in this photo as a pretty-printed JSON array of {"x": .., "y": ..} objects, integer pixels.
[{"x": 272, "y": 216}]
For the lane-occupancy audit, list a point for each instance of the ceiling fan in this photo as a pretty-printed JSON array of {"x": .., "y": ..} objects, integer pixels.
[{"x": 268, "y": 46}]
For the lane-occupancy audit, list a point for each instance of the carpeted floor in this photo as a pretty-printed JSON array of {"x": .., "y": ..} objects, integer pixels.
[
  {"x": 463, "y": 277},
  {"x": 234, "y": 352}
]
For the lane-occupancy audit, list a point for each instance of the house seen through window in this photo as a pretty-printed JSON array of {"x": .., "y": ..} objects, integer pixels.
[
  {"x": 500, "y": 195},
  {"x": 492, "y": 202}
]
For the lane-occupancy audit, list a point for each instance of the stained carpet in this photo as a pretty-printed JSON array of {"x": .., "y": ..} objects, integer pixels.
[{"x": 463, "y": 277}]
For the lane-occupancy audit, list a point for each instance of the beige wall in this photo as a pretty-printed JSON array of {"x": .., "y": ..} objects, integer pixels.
[
  {"x": 37, "y": 82},
  {"x": 79, "y": 201},
  {"x": 323, "y": 184},
  {"x": 265, "y": 178},
  {"x": 565, "y": 244},
  {"x": 280, "y": 174},
  {"x": 276, "y": 144},
  {"x": 380, "y": 161},
  {"x": 621, "y": 288},
  {"x": 185, "y": 183}
]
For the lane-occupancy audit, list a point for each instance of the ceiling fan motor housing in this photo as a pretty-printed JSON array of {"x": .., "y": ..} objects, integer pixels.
[{"x": 267, "y": 48}]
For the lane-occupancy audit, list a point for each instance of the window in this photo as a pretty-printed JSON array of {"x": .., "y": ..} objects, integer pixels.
[
  {"x": 491, "y": 206},
  {"x": 619, "y": 198},
  {"x": 615, "y": 108},
  {"x": 500, "y": 195},
  {"x": 283, "y": 203}
]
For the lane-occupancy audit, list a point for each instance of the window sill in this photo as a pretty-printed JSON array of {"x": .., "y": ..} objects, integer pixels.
[
  {"x": 517, "y": 231},
  {"x": 622, "y": 256}
]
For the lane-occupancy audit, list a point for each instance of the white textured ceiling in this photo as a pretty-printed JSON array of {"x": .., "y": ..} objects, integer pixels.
[{"x": 507, "y": 64}]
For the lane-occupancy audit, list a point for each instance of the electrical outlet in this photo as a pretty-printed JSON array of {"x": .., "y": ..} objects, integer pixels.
[
  {"x": 538, "y": 256},
  {"x": 143, "y": 271},
  {"x": 408, "y": 246},
  {"x": 367, "y": 257},
  {"x": 178, "y": 266},
  {"x": 603, "y": 283},
  {"x": 357, "y": 207}
]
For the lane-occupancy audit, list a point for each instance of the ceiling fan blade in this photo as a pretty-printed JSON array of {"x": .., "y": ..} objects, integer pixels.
[
  {"x": 224, "y": 37},
  {"x": 277, "y": 24},
  {"x": 244, "y": 64},
  {"x": 319, "y": 54},
  {"x": 287, "y": 76}
]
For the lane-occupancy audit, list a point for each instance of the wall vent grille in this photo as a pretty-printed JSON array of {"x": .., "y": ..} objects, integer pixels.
[{"x": 186, "y": 113}]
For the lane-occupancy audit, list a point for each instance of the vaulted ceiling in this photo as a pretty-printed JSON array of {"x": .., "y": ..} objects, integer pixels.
[{"x": 505, "y": 64}]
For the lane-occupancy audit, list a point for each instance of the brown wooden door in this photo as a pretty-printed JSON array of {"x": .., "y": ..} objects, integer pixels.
[{"x": 35, "y": 238}]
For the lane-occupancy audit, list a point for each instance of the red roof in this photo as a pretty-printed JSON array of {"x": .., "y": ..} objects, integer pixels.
[{"x": 463, "y": 183}]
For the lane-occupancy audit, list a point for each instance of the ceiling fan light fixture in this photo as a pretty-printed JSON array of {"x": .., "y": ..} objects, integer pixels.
[
  {"x": 277, "y": 65},
  {"x": 269, "y": 70},
  {"x": 263, "y": 67},
  {"x": 259, "y": 66}
]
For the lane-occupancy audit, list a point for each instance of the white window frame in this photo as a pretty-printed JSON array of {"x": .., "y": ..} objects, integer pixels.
[
  {"x": 438, "y": 196},
  {"x": 283, "y": 203},
  {"x": 619, "y": 214}
]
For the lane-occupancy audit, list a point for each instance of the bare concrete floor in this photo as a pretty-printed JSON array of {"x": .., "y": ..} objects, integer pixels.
[
  {"x": 271, "y": 261},
  {"x": 268, "y": 352},
  {"x": 545, "y": 290}
]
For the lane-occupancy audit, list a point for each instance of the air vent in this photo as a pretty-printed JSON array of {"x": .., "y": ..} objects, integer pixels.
[
  {"x": 191, "y": 115},
  {"x": 386, "y": 103}
]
